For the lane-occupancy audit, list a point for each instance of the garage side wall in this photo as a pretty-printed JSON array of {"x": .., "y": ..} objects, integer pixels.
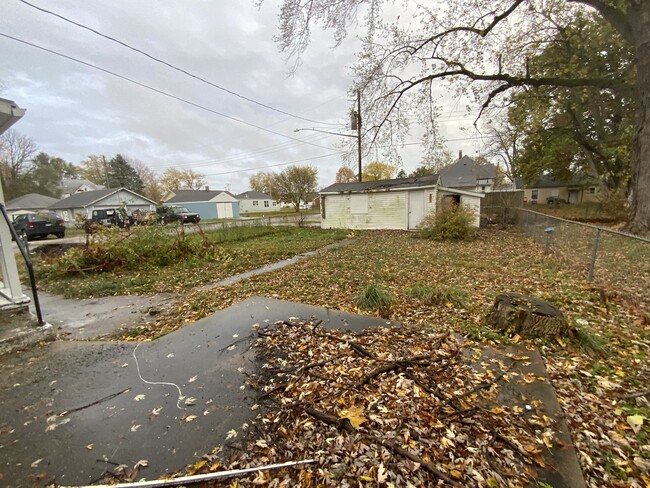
[{"x": 373, "y": 210}]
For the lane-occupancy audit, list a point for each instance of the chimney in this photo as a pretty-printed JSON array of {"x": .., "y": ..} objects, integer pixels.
[
  {"x": 460, "y": 154},
  {"x": 207, "y": 188}
]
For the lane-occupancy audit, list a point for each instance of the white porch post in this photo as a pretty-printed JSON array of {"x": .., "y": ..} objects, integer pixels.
[
  {"x": 10, "y": 283},
  {"x": 10, "y": 113}
]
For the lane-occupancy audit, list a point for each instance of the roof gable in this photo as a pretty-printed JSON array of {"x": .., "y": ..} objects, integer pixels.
[
  {"x": 181, "y": 196},
  {"x": 387, "y": 185},
  {"x": 70, "y": 186}
]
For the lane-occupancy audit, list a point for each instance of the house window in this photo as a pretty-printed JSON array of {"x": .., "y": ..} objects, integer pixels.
[
  {"x": 266, "y": 203},
  {"x": 534, "y": 194},
  {"x": 255, "y": 203},
  {"x": 430, "y": 197},
  {"x": 592, "y": 189},
  {"x": 322, "y": 206},
  {"x": 483, "y": 189},
  {"x": 274, "y": 204},
  {"x": 359, "y": 203}
]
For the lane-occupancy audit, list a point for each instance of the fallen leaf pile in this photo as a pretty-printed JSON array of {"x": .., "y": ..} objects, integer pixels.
[{"x": 395, "y": 406}]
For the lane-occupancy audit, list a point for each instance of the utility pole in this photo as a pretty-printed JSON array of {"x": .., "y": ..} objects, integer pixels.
[
  {"x": 359, "y": 130},
  {"x": 105, "y": 169}
]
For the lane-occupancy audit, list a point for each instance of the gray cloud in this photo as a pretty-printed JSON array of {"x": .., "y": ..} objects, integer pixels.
[{"x": 74, "y": 111}]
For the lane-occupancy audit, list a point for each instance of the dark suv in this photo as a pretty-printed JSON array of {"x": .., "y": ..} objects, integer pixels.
[
  {"x": 177, "y": 213},
  {"x": 39, "y": 225}
]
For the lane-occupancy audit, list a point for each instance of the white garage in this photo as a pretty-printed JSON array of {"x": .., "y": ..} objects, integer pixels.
[{"x": 390, "y": 204}]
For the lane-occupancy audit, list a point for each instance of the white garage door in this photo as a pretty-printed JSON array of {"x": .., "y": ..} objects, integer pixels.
[{"x": 224, "y": 210}]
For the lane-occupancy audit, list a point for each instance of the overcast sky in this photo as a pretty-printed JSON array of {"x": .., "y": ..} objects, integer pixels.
[{"x": 75, "y": 110}]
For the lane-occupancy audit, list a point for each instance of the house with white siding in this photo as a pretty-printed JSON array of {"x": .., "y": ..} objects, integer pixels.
[
  {"x": 209, "y": 204},
  {"x": 390, "y": 204},
  {"x": 255, "y": 201}
]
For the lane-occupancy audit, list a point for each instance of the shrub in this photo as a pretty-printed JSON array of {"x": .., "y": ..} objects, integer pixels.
[
  {"x": 375, "y": 297},
  {"x": 455, "y": 222},
  {"x": 143, "y": 247},
  {"x": 438, "y": 295}
]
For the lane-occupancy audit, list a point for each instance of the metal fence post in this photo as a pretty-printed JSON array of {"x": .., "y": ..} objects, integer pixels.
[
  {"x": 527, "y": 217},
  {"x": 594, "y": 253}
]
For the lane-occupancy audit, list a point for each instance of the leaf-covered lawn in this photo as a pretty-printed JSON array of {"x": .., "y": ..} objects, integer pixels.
[{"x": 596, "y": 375}]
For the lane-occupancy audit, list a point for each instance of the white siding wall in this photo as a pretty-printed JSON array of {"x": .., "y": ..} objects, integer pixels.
[
  {"x": 247, "y": 206},
  {"x": 474, "y": 203},
  {"x": 386, "y": 210},
  {"x": 430, "y": 199}
]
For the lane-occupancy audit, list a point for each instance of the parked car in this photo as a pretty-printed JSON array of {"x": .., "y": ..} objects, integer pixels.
[
  {"x": 39, "y": 225},
  {"x": 108, "y": 217},
  {"x": 177, "y": 213}
]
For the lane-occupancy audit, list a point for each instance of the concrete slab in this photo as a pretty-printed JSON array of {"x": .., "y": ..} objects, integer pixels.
[
  {"x": 97, "y": 318},
  {"x": 125, "y": 404},
  {"x": 531, "y": 391}
]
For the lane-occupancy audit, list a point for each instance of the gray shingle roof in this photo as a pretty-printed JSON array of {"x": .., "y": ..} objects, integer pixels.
[
  {"x": 31, "y": 201},
  {"x": 547, "y": 181},
  {"x": 83, "y": 199},
  {"x": 394, "y": 184},
  {"x": 253, "y": 195},
  {"x": 465, "y": 172}
]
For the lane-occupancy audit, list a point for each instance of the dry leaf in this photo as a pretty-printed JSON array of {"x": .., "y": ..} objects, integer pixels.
[
  {"x": 189, "y": 418},
  {"x": 140, "y": 397},
  {"x": 635, "y": 421},
  {"x": 134, "y": 428},
  {"x": 354, "y": 415}
]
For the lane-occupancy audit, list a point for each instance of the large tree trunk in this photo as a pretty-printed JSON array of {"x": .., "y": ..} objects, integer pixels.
[{"x": 638, "y": 14}]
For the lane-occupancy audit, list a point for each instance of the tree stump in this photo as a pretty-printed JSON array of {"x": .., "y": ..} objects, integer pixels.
[{"x": 527, "y": 316}]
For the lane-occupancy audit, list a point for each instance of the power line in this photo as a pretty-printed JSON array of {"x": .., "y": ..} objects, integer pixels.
[
  {"x": 275, "y": 165},
  {"x": 169, "y": 65},
  {"x": 227, "y": 160},
  {"x": 240, "y": 156},
  {"x": 160, "y": 92}
]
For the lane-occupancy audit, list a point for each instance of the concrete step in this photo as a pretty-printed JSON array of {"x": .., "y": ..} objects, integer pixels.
[{"x": 20, "y": 330}]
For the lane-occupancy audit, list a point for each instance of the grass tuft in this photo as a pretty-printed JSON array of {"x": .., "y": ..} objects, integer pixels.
[
  {"x": 438, "y": 295},
  {"x": 590, "y": 342},
  {"x": 375, "y": 297}
]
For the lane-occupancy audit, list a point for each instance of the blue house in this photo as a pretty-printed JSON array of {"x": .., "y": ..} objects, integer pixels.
[{"x": 209, "y": 204}]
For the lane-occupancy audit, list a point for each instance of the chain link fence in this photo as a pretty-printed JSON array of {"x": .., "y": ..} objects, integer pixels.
[{"x": 602, "y": 255}]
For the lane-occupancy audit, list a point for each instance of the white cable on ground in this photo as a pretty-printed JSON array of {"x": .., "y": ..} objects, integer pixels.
[
  {"x": 180, "y": 393},
  {"x": 197, "y": 477}
]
